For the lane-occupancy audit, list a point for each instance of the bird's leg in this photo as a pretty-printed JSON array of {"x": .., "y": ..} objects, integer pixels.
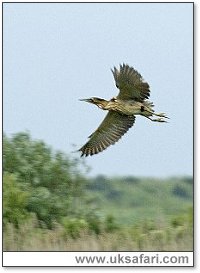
[{"x": 161, "y": 115}]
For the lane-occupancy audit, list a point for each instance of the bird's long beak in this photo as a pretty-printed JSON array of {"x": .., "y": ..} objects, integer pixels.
[{"x": 87, "y": 100}]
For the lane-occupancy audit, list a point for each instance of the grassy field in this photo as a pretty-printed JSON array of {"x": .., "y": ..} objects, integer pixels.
[
  {"x": 146, "y": 215},
  {"x": 49, "y": 204},
  {"x": 132, "y": 239},
  {"x": 147, "y": 235}
]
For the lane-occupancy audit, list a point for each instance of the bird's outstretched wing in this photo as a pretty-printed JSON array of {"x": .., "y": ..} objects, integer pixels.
[
  {"x": 130, "y": 84},
  {"x": 112, "y": 128}
]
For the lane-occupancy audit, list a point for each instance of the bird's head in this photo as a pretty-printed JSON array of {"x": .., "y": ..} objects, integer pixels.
[{"x": 101, "y": 103}]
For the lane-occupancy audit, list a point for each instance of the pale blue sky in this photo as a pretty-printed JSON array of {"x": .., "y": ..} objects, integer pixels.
[{"x": 55, "y": 54}]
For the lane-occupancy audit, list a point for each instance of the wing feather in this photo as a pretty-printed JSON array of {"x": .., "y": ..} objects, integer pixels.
[
  {"x": 130, "y": 84},
  {"x": 112, "y": 128}
]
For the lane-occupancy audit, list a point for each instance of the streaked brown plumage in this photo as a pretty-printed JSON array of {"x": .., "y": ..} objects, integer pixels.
[{"x": 122, "y": 109}]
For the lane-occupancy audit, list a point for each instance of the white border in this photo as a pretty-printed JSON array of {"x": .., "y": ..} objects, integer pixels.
[
  {"x": 122, "y": 259},
  {"x": 11, "y": 257}
]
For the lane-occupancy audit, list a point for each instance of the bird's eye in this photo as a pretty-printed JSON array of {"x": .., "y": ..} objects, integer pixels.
[{"x": 117, "y": 85}]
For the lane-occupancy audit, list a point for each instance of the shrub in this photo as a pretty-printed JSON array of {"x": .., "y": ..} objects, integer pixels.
[{"x": 14, "y": 201}]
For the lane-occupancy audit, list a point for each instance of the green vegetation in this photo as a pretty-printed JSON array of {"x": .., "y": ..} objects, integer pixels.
[
  {"x": 49, "y": 203},
  {"x": 131, "y": 199}
]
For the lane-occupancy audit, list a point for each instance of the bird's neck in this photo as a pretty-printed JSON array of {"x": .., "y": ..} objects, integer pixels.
[{"x": 104, "y": 105}]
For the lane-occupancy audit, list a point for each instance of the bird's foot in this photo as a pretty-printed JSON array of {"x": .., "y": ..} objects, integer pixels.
[
  {"x": 161, "y": 120},
  {"x": 162, "y": 115},
  {"x": 158, "y": 120}
]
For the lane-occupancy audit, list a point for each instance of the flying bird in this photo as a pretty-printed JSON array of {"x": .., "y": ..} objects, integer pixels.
[{"x": 122, "y": 110}]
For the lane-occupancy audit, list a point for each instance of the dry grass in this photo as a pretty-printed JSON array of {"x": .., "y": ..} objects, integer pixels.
[{"x": 29, "y": 238}]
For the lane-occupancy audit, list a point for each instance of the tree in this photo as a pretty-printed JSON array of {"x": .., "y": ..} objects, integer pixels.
[{"x": 49, "y": 181}]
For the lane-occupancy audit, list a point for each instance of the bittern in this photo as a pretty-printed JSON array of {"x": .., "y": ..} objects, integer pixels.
[{"x": 131, "y": 101}]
